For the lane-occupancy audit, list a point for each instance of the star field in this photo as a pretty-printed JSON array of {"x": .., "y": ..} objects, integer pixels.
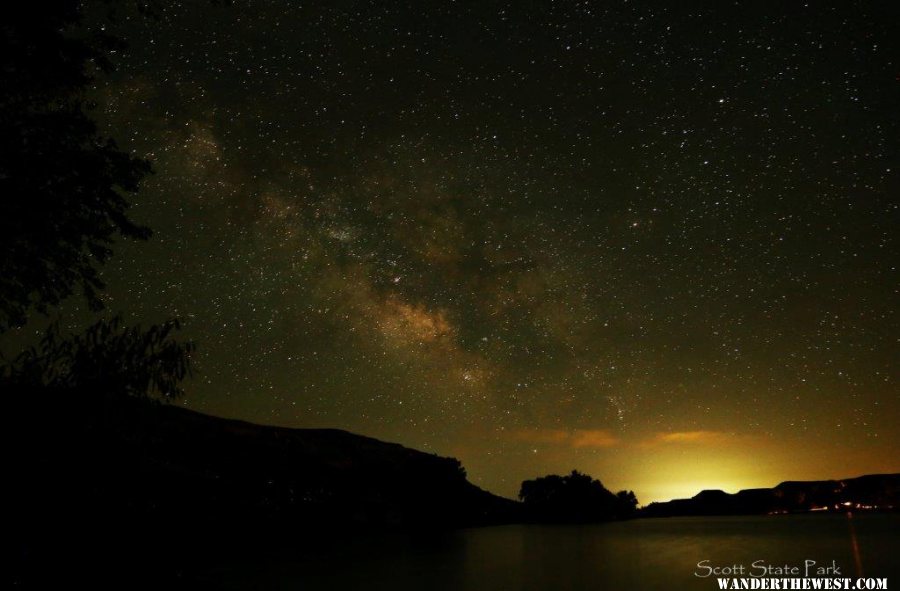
[{"x": 652, "y": 242}]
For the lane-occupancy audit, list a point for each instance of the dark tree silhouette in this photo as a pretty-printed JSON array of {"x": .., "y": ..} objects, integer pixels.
[
  {"x": 63, "y": 206},
  {"x": 107, "y": 359},
  {"x": 62, "y": 183},
  {"x": 574, "y": 498},
  {"x": 627, "y": 502}
]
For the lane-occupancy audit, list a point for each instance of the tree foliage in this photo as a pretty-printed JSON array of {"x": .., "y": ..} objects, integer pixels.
[
  {"x": 574, "y": 498},
  {"x": 627, "y": 501},
  {"x": 63, "y": 188},
  {"x": 62, "y": 183},
  {"x": 106, "y": 359}
]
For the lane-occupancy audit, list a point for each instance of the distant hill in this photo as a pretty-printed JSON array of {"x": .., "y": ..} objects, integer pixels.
[
  {"x": 153, "y": 465},
  {"x": 875, "y": 492}
]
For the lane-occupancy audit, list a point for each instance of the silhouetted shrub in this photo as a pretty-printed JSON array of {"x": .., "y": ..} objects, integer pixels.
[
  {"x": 574, "y": 498},
  {"x": 106, "y": 359}
]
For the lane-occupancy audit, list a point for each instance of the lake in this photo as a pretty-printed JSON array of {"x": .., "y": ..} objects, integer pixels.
[{"x": 639, "y": 554}]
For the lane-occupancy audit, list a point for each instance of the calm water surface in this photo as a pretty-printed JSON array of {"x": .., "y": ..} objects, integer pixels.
[{"x": 640, "y": 554}]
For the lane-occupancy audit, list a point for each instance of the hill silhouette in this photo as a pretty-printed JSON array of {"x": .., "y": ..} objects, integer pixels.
[
  {"x": 165, "y": 462},
  {"x": 866, "y": 493},
  {"x": 137, "y": 483}
]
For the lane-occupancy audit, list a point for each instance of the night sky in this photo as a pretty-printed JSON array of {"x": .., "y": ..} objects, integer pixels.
[{"x": 653, "y": 241}]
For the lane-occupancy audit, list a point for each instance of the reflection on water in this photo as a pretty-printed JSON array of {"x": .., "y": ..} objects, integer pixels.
[{"x": 641, "y": 554}]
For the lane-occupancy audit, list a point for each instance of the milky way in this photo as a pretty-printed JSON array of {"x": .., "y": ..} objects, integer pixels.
[{"x": 656, "y": 244}]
